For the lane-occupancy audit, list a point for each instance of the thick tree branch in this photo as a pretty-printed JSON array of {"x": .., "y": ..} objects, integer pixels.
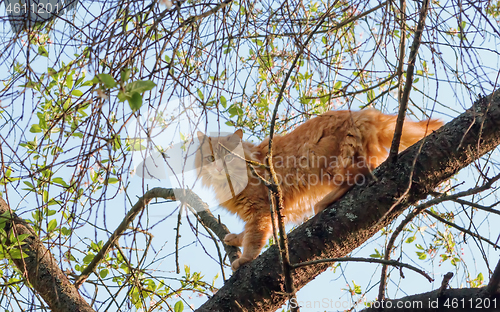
[
  {"x": 41, "y": 269},
  {"x": 348, "y": 223},
  {"x": 494, "y": 283}
]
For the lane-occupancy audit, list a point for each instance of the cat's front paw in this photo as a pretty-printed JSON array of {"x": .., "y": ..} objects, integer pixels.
[{"x": 232, "y": 240}]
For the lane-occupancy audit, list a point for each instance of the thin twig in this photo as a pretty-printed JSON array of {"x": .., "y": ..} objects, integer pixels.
[
  {"x": 370, "y": 260},
  {"x": 480, "y": 207},
  {"x": 177, "y": 236},
  {"x": 402, "y": 48},
  {"x": 403, "y": 100},
  {"x": 418, "y": 209},
  {"x": 221, "y": 260},
  {"x": 461, "y": 229}
]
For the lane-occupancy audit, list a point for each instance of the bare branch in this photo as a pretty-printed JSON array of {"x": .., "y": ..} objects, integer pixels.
[
  {"x": 418, "y": 210},
  {"x": 189, "y": 198},
  {"x": 461, "y": 229},
  {"x": 403, "y": 100},
  {"x": 370, "y": 260}
]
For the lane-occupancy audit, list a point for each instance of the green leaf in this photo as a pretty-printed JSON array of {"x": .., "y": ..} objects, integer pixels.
[
  {"x": 35, "y": 128},
  {"x": 42, "y": 51},
  {"x": 88, "y": 258},
  {"x": 121, "y": 96},
  {"x": 103, "y": 273},
  {"x": 200, "y": 94},
  {"x": 125, "y": 74},
  {"x": 59, "y": 181},
  {"x": 16, "y": 254},
  {"x": 28, "y": 184},
  {"x": 223, "y": 101},
  {"x": 480, "y": 277},
  {"x": 112, "y": 180},
  {"x": 22, "y": 237},
  {"x": 50, "y": 212},
  {"x": 77, "y": 93},
  {"x": 410, "y": 239},
  {"x": 179, "y": 306},
  {"x": 370, "y": 95},
  {"x": 421, "y": 255},
  {"x": 69, "y": 81},
  {"x": 65, "y": 231},
  {"x": 108, "y": 80},
  {"x": 52, "y": 225},
  {"x": 140, "y": 86},
  {"x": 135, "y": 101},
  {"x": 89, "y": 83},
  {"x": 377, "y": 254}
]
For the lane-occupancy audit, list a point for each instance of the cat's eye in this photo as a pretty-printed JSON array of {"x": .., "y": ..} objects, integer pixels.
[
  {"x": 228, "y": 158},
  {"x": 210, "y": 158}
]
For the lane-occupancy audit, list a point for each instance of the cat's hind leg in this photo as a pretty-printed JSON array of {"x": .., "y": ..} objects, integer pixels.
[
  {"x": 331, "y": 197},
  {"x": 343, "y": 180}
]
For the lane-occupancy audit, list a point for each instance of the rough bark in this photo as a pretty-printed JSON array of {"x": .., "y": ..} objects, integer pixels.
[
  {"x": 335, "y": 232},
  {"x": 42, "y": 270}
]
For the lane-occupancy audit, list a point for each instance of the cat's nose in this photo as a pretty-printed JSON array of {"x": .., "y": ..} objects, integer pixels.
[{"x": 219, "y": 169}]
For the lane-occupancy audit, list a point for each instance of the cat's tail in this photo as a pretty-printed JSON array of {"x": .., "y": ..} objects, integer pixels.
[{"x": 412, "y": 131}]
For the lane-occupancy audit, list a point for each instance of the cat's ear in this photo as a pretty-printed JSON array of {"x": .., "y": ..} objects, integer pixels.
[
  {"x": 201, "y": 136},
  {"x": 239, "y": 133}
]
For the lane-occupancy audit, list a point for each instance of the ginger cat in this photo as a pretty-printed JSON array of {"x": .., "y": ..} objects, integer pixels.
[{"x": 316, "y": 163}]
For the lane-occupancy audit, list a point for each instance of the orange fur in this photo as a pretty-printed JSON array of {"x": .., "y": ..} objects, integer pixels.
[{"x": 316, "y": 163}]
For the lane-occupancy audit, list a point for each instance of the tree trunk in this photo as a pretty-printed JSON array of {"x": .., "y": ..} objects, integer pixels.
[
  {"x": 348, "y": 223},
  {"x": 42, "y": 270}
]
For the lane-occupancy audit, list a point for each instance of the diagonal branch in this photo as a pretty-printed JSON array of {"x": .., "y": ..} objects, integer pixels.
[
  {"x": 348, "y": 223},
  {"x": 189, "y": 198}
]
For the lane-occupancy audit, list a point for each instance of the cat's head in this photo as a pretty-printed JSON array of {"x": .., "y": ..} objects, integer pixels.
[{"x": 220, "y": 162}]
